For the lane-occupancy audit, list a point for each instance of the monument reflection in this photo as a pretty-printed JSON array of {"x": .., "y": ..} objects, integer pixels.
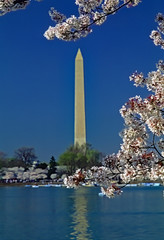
[{"x": 80, "y": 225}]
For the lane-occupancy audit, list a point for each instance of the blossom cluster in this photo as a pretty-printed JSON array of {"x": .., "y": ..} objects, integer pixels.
[
  {"x": 12, "y": 5},
  {"x": 156, "y": 35},
  {"x": 75, "y": 180},
  {"x": 111, "y": 191},
  {"x": 141, "y": 150},
  {"x": 72, "y": 28},
  {"x": 97, "y": 175},
  {"x": 63, "y": 30},
  {"x": 102, "y": 176},
  {"x": 90, "y": 12}
]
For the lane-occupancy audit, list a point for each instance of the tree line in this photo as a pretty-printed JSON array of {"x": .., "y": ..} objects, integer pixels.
[
  {"x": 25, "y": 157},
  {"x": 73, "y": 158}
]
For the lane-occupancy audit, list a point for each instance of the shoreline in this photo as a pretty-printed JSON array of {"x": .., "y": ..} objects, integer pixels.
[
  {"x": 50, "y": 183},
  {"x": 22, "y": 184}
]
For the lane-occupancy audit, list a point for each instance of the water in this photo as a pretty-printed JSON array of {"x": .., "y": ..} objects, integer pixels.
[{"x": 61, "y": 214}]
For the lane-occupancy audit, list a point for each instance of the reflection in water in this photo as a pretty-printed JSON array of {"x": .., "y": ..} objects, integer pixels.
[{"x": 80, "y": 224}]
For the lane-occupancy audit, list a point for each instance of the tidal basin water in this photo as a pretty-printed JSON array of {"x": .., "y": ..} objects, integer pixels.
[{"x": 61, "y": 214}]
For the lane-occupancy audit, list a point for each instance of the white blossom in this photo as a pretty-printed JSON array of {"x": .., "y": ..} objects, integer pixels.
[
  {"x": 99, "y": 18},
  {"x": 90, "y": 12},
  {"x": 156, "y": 35},
  {"x": 74, "y": 27},
  {"x": 12, "y": 5},
  {"x": 110, "y": 5},
  {"x": 132, "y": 3}
]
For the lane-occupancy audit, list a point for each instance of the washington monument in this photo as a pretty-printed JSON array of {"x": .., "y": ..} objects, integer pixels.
[{"x": 79, "y": 121}]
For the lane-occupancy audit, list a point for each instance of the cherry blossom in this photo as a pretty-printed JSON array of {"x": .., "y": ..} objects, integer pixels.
[
  {"x": 12, "y": 5},
  {"x": 90, "y": 12},
  {"x": 156, "y": 34},
  {"x": 74, "y": 27}
]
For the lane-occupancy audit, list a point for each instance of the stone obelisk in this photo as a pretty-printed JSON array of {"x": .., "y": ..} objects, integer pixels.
[{"x": 79, "y": 121}]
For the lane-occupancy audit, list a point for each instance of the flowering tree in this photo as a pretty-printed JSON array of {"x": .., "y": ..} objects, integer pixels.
[
  {"x": 90, "y": 12},
  {"x": 141, "y": 156}
]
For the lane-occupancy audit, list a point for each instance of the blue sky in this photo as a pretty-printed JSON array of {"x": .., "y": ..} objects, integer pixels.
[{"x": 37, "y": 77}]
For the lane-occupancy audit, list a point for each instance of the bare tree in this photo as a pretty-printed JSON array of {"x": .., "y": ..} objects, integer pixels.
[{"x": 26, "y": 154}]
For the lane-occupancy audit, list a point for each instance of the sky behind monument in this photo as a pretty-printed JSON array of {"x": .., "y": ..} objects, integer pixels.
[{"x": 37, "y": 77}]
